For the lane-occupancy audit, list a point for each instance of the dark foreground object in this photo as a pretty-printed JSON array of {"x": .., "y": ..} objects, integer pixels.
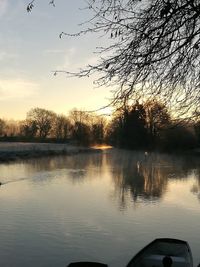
[
  {"x": 163, "y": 252},
  {"x": 87, "y": 264}
]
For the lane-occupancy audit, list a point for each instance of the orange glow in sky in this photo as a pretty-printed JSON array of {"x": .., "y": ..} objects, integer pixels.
[{"x": 30, "y": 52}]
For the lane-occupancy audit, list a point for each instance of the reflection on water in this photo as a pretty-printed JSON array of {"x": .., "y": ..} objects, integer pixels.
[
  {"x": 196, "y": 186},
  {"x": 146, "y": 177},
  {"x": 100, "y": 207}
]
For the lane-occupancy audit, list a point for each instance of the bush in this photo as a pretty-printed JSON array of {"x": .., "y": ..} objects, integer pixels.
[{"x": 177, "y": 138}]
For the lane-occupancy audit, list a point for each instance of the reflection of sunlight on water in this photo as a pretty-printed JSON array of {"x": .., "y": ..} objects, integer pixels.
[
  {"x": 103, "y": 146},
  {"x": 179, "y": 194}
]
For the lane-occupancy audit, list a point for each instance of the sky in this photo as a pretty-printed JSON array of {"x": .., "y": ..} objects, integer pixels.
[{"x": 30, "y": 50}]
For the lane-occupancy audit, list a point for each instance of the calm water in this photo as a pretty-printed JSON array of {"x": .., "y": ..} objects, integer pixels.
[{"x": 97, "y": 207}]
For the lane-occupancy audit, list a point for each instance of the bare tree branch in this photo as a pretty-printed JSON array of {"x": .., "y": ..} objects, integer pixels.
[{"x": 153, "y": 51}]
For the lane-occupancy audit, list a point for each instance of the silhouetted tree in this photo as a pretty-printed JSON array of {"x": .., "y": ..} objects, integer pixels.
[
  {"x": 98, "y": 129},
  {"x": 97, "y": 133},
  {"x": 29, "y": 129},
  {"x": 81, "y": 116},
  {"x": 12, "y": 128},
  {"x": 153, "y": 49},
  {"x": 134, "y": 128},
  {"x": 178, "y": 137},
  {"x": 114, "y": 131},
  {"x": 43, "y": 120},
  {"x": 62, "y": 127},
  {"x": 128, "y": 128},
  {"x": 157, "y": 119},
  {"x": 81, "y": 133},
  {"x": 81, "y": 130},
  {"x": 2, "y": 127},
  {"x": 115, "y": 128}
]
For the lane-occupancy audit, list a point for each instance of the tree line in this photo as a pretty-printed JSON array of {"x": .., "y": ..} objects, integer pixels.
[
  {"x": 147, "y": 125},
  {"x": 151, "y": 126},
  {"x": 153, "y": 51},
  {"x": 44, "y": 125}
]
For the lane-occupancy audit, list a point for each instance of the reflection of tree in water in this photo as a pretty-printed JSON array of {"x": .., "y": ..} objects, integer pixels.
[
  {"x": 144, "y": 177},
  {"x": 139, "y": 176},
  {"x": 196, "y": 186},
  {"x": 76, "y": 166}
]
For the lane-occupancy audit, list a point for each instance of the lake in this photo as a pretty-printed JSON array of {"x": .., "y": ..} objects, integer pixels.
[{"x": 96, "y": 207}]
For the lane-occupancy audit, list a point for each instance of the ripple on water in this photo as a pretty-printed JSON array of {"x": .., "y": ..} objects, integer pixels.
[{"x": 95, "y": 207}]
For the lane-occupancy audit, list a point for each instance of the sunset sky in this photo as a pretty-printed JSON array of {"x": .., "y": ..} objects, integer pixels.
[{"x": 30, "y": 50}]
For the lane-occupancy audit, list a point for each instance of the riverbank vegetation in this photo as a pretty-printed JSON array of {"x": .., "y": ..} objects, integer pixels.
[
  {"x": 148, "y": 126},
  {"x": 151, "y": 64},
  {"x": 42, "y": 125},
  {"x": 151, "y": 126}
]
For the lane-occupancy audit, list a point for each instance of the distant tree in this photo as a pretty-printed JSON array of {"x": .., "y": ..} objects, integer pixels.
[
  {"x": 81, "y": 126},
  {"x": 42, "y": 119},
  {"x": 134, "y": 129},
  {"x": 179, "y": 137},
  {"x": 80, "y": 116},
  {"x": 157, "y": 119},
  {"x": 114, "y": 130},
  {"x": 98, "y": 133},
  {"x": 153, "y": 49},
  {"x": 62, "y": 127},
  {"x": 128, "y": 128},
  {"x": 12, "y": 128},
  {"x": 2, "y": 127},
  {"x": 98, "y": 128},
  {"x": 29, "y": 129},
  {"x": 81, "y": 133}
]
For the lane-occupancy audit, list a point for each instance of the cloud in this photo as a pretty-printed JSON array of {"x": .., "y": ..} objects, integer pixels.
[{"x": 17, "y": 89}]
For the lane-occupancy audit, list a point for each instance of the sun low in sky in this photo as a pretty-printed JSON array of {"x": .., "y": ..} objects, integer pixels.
[{"x": 30, "y": 50}]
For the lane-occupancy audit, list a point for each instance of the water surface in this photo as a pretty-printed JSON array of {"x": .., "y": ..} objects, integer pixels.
[{"x": 97, "y": 207}]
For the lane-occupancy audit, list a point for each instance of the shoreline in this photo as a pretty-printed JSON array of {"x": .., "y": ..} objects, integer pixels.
[{"x": 13, "y": 151}]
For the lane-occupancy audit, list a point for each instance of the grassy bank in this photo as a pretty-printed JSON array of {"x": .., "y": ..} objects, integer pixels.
[{"x": 10, "y": 151}]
